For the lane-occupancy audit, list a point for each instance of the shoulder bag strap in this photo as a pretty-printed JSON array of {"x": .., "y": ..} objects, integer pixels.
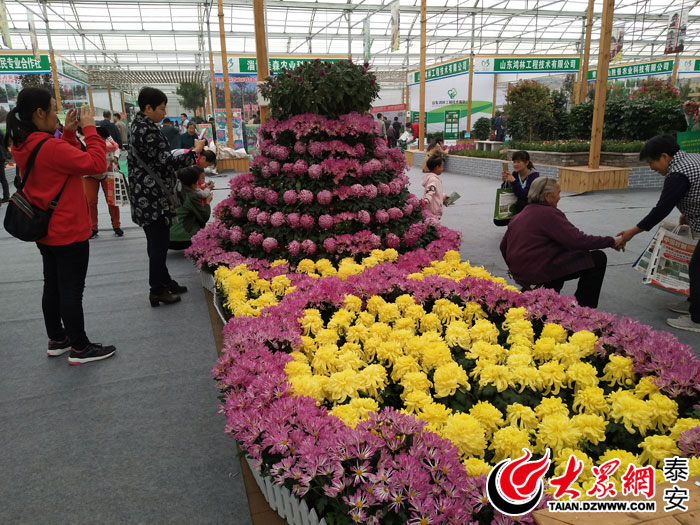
[
  {"x": 152, "y": 173},
  {"x": 30, "y": 164}
]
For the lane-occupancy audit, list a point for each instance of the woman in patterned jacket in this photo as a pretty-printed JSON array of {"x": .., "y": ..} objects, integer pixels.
[{"x": 149, "y": 154}]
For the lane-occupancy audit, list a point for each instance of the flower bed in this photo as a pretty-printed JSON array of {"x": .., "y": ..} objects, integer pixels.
[
  {"x": 578, "y": 145},
  {"x": 434, "y": 371}
]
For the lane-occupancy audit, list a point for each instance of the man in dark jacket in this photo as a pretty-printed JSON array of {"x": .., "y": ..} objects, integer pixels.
[
  {"x": 171, "y": 133},
  {"x": 109, "y": 126},
  {"x": 541, "y": 247},
  {"x": 397, "y": 127}
]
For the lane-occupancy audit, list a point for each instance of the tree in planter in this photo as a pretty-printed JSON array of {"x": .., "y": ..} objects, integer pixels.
[
  {"x": 560, "y": 129},
  {"x": 192, "y": 95},
  {"x": 482, "y": 128},
  {"x": 529, "y": 110}
]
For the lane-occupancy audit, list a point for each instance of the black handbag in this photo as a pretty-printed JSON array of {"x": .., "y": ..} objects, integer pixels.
[{"x": 23, "y": 219}]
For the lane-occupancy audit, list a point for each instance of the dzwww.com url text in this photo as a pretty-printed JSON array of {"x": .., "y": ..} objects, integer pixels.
[{"x": 602, "y": 506}]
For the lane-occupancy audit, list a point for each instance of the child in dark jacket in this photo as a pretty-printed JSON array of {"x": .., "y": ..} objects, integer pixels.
[{"x": 193, "y": 214}]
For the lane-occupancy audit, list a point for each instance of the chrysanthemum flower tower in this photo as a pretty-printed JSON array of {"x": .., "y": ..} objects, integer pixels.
[{"x": 324, "y": 184}]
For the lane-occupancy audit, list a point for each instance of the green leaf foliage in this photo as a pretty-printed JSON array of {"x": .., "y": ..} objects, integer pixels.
[
  {"x": 325, "y": 88},
  {"x": 530, "y": 111},
  {"x": 482, "y": 128},
  {"x": 192, "y": 94}
]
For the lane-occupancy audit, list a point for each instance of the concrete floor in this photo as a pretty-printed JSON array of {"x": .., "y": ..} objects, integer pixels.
[{"x": 137, "y": 438}]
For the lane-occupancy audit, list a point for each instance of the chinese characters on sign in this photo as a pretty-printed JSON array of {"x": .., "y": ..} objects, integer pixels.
[
  {"x": 24, "y": 64},
  {"x": 675, "y": 38},
  {"x": 250, "y": 64},
  {"x": 636, "y": 70},
  {"x": 444, "y": 70},
  {"x": 520, "y": 65}
]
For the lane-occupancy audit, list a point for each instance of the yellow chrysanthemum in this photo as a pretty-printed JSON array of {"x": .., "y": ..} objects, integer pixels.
[
  {"x": 496, "y": 375},
  {"x": 324, "y": 360},
  {"x": 472, "y": 312},
  {"x": 311, "y": 322},
  {"x": 352, "y": 303},
  {"x": 485, "y": 350},
  {"x": 586, "y": 341},
  {"x": 555, "y": 331},
  {"x": 346, "y": 414},
  {"x": 645, "y": 387},
  {"x": 372, "y": 379},
  {"x": 656, "y": 448},
  {"x": 306, "y": 266},
  {"x": 404, "y": 301},
  {"x": 381, "y": 330},
  {"x": 278, "y": 262},
  {"x": 591, "y": 426},
  {"x": 436, "y": 415},
  {"x": 279, "y": 284},
  {"x": 308, "y": 385},
  {"x": 447, "y": 311},
  {"x": 457, "y": 335},
  {"x": 363, "y": 407},
  {"x": 664, "y": 409},
  {"x": 550, "y": 406},
  {"x": 389, "y": 351},
  {"x": 488, "y": 415},
  {"x": 412, "y": 381},
  {"x": 430, "y": 323},
  {"x": 324, "y": 336},
  {"x": 509, "y": 442},
  {"x": 297, "y": 368},
  {"x": 348, "y": 359},
  {"x": 373, "y": 304},
  {"x": 260, "y": 286},
  {"x": 591, "y": 400},
  {"x": 521, "y": 332},
  {"x": 543, "y": 348},
  {"x": 483, "y": 330},
  {"x": 466, "y": 433},
  {"x": 519, "y": 355},
  {"x": 581, "y": 375},
  {"x": 552, "y": 377},
  {"x": 402, "y": 366},
  {"x": 562, "y": 458},
  {"x": 414, "y": 311},
  {"x": 388, "y": 313},
  {"x": 448, "y": 378},
  {"x": 694, "y": 466},
  {"x": 435, "y": 353},
  {"x": 476, "y": 467},
  {"x": 521, "y": 416},
  {"x": 299, "y": 356},
  {"x": 341, "y": 318},
  {"x": 525, "y": 377},
  {"x": 619, "y": 371},
  {"x": 557, "y": 432},
  {"x": 631, "y": 411},
  {"x": 415, "y": 401},
  {"x": 404, "y": 323},
  {"x": 342, "y": 385}
]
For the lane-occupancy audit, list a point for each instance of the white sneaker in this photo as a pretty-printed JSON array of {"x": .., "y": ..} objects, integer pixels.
[
  {"x": 684, "y": 322},
  {"x": 681, "y": 307}
]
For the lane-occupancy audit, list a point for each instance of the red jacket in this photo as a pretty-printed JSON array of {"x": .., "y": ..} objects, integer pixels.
[
  {"x": 62, "y": 161},
  {"x": 541, "y": 245}
]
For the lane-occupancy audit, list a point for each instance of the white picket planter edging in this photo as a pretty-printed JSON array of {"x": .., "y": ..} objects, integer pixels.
[
  {"x": 286, "y": 504},
  {"x": 218, "y": 307},
  {"x": 207, "y": 281}
]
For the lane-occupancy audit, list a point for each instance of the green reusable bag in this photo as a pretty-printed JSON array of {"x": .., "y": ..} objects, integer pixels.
[{"x": 505, "y": 207}]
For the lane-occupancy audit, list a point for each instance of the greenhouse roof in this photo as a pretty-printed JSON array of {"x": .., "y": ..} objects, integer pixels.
[{"x": 148, "y": 37}]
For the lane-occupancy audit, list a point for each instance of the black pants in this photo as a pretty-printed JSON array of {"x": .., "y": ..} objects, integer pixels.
[
  {"x": 157, "y": 241},
  {"x": 589, "y": 281},
  {"x": 694, "y": 271},
  {"x": 5, "y": 185},
  {"x": 65, "y": 268}
]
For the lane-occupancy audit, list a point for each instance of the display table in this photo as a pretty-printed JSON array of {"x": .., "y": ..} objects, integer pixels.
[
  {"x": 237, "y": 165},
  {"x": 489, "y": 145},
  {"x": 579, "y": 179}
]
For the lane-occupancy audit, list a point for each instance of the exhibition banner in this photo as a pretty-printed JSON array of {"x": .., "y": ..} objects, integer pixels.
[
  {"x": 24, "y": 64},
  {"x": 616, "y": 41},
  {"x": 441, "y": 70},
  {"x": 658, "y": 67},
  {"x": 395, "y": 26},
  {"x": 366, "y": 41},
  {"x": 527, "y": 65},
  {"x": 248, "y": 65},
  {"x": 32, "y": 35},
  {"x": 689, "y": 141},
  {"x": 675, "y": 37}
]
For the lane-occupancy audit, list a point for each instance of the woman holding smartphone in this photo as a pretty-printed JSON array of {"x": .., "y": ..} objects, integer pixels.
[{"x": 57, "y": 170}]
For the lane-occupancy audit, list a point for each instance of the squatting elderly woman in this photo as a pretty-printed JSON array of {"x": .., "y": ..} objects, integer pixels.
[{"x": 542, "y": 248}]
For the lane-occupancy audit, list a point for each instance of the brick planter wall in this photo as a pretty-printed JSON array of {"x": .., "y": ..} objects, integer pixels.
[
  {"x": 639, "y": 177},
  {"x": 580, "y": 158}
]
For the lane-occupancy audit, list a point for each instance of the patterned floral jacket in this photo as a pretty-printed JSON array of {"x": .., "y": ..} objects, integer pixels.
[{"x": 148, "y": 202}]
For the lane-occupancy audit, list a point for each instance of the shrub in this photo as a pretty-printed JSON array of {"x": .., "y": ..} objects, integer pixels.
[
  {"x": 560, "y": 128},
  {"x": 480, "y": 153},
  {"x": 326, "y": 88},
  {"x": 571, "y": 146},
  {"x": 529, "y": 109},
  {"x": 482, "y": 128},
  {"x": 656, "y": 89},
  {"x": 434, "y": 135}
]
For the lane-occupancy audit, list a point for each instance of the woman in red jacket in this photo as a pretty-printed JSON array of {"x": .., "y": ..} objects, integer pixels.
[
  {"x": 58, "y": 168},
  {"x": 541, "y": 247}
]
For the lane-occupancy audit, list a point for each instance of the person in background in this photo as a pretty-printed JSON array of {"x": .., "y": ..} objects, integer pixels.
[
  {"x": 65, "y": 250},
  {"x": 382, "y": 126},
  {"x": 415, "y": 130},
  {"x": 433, "y": 197},
  {"x": 150, "y": 207},
  {"x": 4, "y": 157},
  {"x": 521, "y": 179},
  {"x": 183, "y": 122},
  {"x": 171, "y": 133},
  {"x": 212, "y": 123},
  {"x": 434, "y": 148},
  {"x": 193, "y": 214},
  {"x": 542, "y": 248},
  {"x": 122, "y": 129},
  {"x": 256, "y": 118},
  {"x": 681, "y": 190},
  {"x": 187, "y": 139},
  {"x": 109, "y": 125},
  {"x": 391, "y": 136},
  {"x": 206, "y": 159},
  {"x": 92, "y": 183},
  {"x": 499, "y": 125},
  {"x": 397, "y": 127}
]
